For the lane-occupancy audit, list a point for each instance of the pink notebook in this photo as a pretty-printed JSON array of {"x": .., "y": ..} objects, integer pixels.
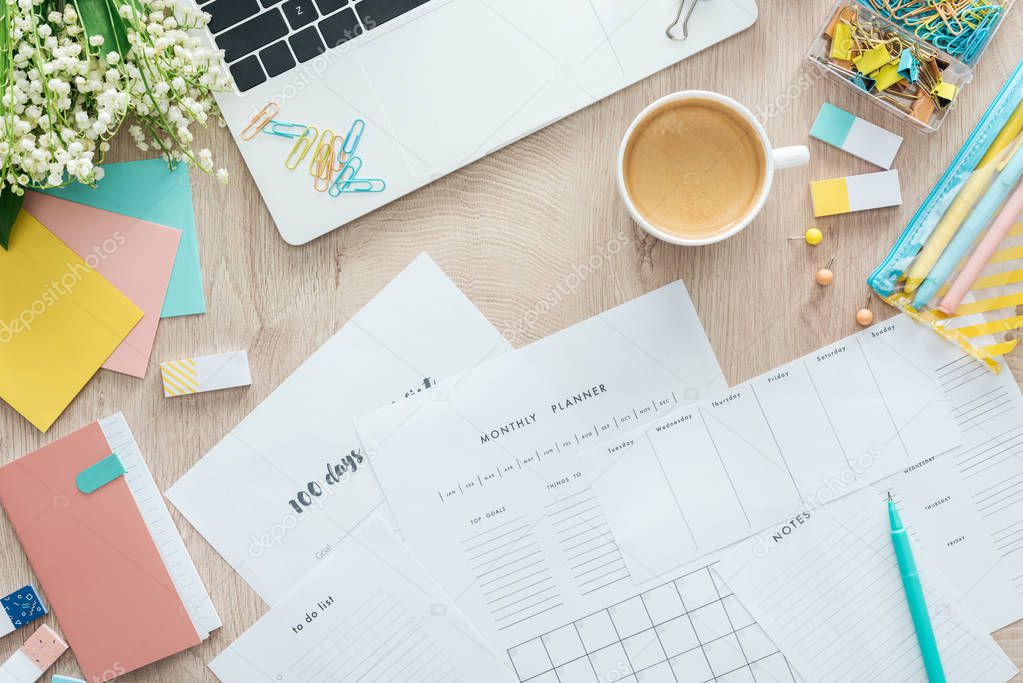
[{"x": 94, "y": 553}]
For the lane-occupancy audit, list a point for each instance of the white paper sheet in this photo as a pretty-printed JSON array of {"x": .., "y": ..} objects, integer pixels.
[
  {"x": 948, "y": 526},
  {"x": 286, "y": 485},
  {"x": 804, "y": 433},
  {"x": 989, "y": 411},
  {"x": 369, "y": 612},
  {"x": 827, "y": 590}
]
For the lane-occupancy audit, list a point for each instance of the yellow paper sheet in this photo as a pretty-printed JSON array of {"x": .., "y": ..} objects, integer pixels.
[{"x": 59, "y": 321}]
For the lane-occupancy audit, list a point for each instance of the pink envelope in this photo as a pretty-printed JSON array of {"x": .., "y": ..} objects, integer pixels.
[
  {"x": 95, "y": 558},
  {"x": 134, "y": 255}
]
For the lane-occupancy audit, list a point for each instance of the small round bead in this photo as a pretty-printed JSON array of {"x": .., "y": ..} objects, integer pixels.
[
  {"x": 864, "y": 316},
  {"x": 813, "y": 237},
  {"x": 824, "y": 277}
]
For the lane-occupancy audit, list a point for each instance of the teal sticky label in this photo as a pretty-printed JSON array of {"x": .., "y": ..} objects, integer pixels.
[
  {"x": 102, "y": 473},
  {"x": 832, "y": 125}
]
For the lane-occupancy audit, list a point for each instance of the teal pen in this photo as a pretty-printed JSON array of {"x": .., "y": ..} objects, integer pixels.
[
  {"x": 915, "y": 597},
  {"x": 971, "y": 229}
]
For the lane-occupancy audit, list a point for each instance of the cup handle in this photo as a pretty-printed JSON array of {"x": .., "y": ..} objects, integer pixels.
[{"x": 787, "y": 157}]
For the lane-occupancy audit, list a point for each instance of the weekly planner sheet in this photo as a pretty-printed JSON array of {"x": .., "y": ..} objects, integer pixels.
[
  {"x": 800, "y": 435},
  {"x": 512, "y": 530}
]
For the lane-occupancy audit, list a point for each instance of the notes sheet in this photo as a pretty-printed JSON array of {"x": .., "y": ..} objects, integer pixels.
[{"x": 827, "y": 590}]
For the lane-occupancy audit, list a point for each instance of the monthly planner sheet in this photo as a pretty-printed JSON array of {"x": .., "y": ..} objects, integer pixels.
[{"x": 512, "y": 530}]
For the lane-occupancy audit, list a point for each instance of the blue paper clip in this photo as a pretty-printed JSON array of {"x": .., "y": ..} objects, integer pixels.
[
  {"x": 285, "y": 129},
  {"x": 345, "y": 175},
  {"x": 364, "y": 185},
  {"x": 353, "y": 137}
]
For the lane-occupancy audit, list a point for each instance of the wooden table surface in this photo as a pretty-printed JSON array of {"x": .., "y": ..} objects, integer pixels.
[{"x": 509, "y": 230}]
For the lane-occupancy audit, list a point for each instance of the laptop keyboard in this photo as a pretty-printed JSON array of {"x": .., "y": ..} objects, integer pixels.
[{"x": 262, "y": 39}]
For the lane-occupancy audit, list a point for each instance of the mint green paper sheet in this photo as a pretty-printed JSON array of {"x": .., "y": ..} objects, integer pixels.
[{"x": 149, "y": 191}]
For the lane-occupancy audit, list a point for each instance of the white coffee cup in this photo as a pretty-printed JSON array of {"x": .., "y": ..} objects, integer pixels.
[{"x": 783, "y": 157}]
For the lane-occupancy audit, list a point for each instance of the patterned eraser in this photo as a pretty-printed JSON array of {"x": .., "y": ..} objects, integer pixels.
[
  {"x": 23, "y": 606},
  {"x": 44, "y": 647}
]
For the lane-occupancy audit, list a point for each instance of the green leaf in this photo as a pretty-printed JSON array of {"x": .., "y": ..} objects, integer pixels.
[
  {"x": 100, "y": 18},
  {"x": 10, "y": 206}
]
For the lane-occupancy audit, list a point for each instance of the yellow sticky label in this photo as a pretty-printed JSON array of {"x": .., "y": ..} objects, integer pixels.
[
  {"x": 830, "y": 197},
  {"x": 180, "y": 377}
]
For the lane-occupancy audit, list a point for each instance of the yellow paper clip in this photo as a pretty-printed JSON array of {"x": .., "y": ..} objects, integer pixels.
[
  {"x": 259, "y": 121},
  {"x": 345, "y": 176},
  {"x": 301, "y": 147},
  {"x": 322, "y": 152},
  {"x": 353, "y": 137}
]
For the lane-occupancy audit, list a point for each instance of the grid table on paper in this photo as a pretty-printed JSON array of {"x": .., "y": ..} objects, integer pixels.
[{"x": 690, "y": 630}]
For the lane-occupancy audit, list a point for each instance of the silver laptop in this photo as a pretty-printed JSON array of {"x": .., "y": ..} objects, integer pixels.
[{"x": 439, "y": 83}]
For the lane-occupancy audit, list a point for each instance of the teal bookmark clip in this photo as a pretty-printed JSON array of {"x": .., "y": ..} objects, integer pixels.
[{"x": 99, "y": 475}]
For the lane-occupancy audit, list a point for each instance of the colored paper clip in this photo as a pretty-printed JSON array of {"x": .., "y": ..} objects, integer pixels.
[
  {"x": 353, "y": 137},
  {"x": 345, "y": 176},
  {"x": 339, "y": 154},
  {"x": 328, "y": 164},
  {"x": 302, "y": 145},
  {"x": 322, "y": 152},
  {"x": 259, "y": 121},
  {"x": 285, "y": 129},
  {"x": 364, "y": 185}
]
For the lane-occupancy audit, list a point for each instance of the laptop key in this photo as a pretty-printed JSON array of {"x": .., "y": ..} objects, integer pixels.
[
  {"x": 276, "y": 59},
  {"x": 328, "y": 6},
  {"x": 270, "y": 3},
  {"x": 340, "y": 28},
  {"x": 227, "y": 13},
  {"x": 299, "y": 12},
  {"x": 307, "y": 44},
  {"x": 376, "y": 12},
  {"x": 252, "y": 35},
  {"x": 247, "y": 73}
]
